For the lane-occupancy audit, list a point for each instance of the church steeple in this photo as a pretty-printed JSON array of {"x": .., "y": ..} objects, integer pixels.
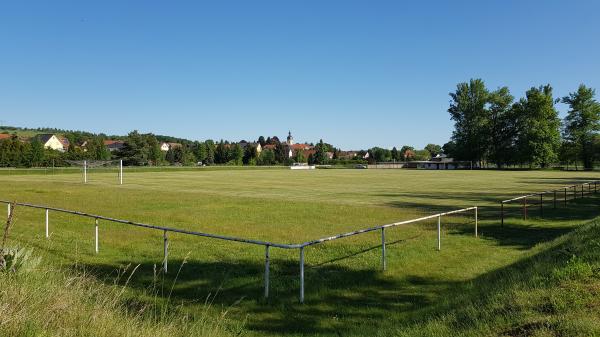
[{"x": 290, "y": 139}]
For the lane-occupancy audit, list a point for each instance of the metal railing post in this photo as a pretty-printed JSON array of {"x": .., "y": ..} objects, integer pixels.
[
  {"x": 121, "y": 172},
  {"x": 565, "y": 196},
  {"x": 541, "y": 204},
  {"x": 554, "y": 202},
  {"x": 8, "y": 211},
  {"x": 439, "y": 233},
  {"x": 582, "y": 190},
  {"x": 502, "y": 214},
  {"x": 383, "y": 264},
  {"x": 476, "y": 234},
  {"x": 301, "y": 274},
  {"x": 574, "y": 191},
  {"x": 85, "y": 171},
  {"x": 165, "y": 251},
  {"x": 267, "y": 271},
  {"x": 96, "y": 234},
  {"x": 525, "y": 208},
  {"x": 47, "y": 234}
]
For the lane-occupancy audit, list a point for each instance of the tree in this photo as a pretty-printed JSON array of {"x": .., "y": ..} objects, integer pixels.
[
  {"x": 503, "y": 127},
  {"x": 267, "y": 157},
  {"x": 433, "y": 149},
  {"x": 449, "y": 149},
  {"x": 250, "y": 155},
  {"x": 422, "y": 155},
  {"x": 395, "y": 154},
  {"x": 299, "y": 157},
  {"x": 170, "y": 156},
  {"x": 405, "y": 152},
  {"x": 471, "y": 120},
  {"x": 210, "y": 152},
  {"x": 281, "y": 153},
  {"x": 568, "y": 153},
  {"x": 222, "y": 153},
  {"x": 135, "y": 150},
  {"x": 380, "y": 154},
  {"x": 582, "y": 122},
  {"x": 236, "y": 155},
  {"x": 35, "y": 155},
  {"x": 200, "y": 152},
  {"x": 539, "y": 135},
  {"x": 261, "y": 141},
  {"x": 155, "y": 155},
  {"x": 97, "y": 150},
  {"x": 320, "y": 157}
]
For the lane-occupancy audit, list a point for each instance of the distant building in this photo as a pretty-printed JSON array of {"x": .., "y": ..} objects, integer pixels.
[
  {"x": 4, "y": 136},
  {"x": 114, "y": 145},
  {"x": 50, "y": 141},
  {"x": 168, "y": 146},
  {"x": 347, "y": 154},
  {"x": 244, "y": 145}
]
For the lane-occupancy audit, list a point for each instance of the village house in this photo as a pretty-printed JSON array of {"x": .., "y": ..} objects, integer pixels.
[
  {"x": 244, "y": 144},
  {"x": 168, "y": 146},
  {"x": 347, "y": 154},
  {"x": 50, "y": 141},
  {"x": 114, "y": 145}
]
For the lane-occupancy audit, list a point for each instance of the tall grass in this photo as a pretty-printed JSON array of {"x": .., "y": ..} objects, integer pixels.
[{"x": 49, "y": 300}]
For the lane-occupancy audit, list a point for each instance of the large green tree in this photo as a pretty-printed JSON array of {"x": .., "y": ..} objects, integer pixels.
[
  {"x": 582, "y": 122},
  {"x": 471, "y": 120},
  {"x": 433, "y": 149},
  {"x": 503, "y": 131},
  {"x": 539, "y": 136}
]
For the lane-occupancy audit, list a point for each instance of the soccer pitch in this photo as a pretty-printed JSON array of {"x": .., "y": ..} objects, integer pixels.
[{"x": 346, "y": 290}]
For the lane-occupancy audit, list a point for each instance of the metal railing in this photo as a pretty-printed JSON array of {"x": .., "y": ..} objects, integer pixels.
[
  {"x": 556, "y": 195},
  {"x": 266, "y": 244}
]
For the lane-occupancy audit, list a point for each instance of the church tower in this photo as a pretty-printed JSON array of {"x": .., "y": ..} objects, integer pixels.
[{"x": 290, "y": 139}]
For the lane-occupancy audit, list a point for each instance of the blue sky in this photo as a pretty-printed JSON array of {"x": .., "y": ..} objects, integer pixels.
[{"x": 355, "y": 73}]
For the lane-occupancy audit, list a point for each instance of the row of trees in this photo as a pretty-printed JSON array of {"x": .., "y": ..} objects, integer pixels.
[
  {"x": 406, "y": 153},
  {"x": 145, "y": 149},
  {"x": 491, "y": 127}
]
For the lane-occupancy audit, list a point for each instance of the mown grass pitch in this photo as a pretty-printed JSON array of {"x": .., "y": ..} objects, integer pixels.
[{"x": 346, "y": 291}]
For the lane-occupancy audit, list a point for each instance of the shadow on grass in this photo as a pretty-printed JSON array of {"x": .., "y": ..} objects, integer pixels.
[
  {"x": 342, "y": 300},
  {"x": 331, "y": 290},
  {"x": 334, "y": 293}
]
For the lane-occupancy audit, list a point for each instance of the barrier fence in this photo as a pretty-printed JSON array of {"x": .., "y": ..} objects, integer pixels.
[
  {"x": 556, "y": 198},
  {"x": 301, "y": 246}
]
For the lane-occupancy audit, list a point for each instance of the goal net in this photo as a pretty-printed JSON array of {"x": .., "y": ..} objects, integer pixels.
[{"x": 90, "y": 167}]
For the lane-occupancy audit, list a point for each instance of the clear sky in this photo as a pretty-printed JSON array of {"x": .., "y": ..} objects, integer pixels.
[{"x": 355, "y": 73}]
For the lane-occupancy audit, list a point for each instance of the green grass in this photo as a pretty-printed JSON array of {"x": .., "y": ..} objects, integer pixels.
[{"x": 422, "y": 292}]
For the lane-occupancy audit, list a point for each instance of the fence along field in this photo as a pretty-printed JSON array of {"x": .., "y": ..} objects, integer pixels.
[
  {"x": 301, "y": 246},
  {"x": 527, "y": 201},
  {"x": 557, "y": 196}
]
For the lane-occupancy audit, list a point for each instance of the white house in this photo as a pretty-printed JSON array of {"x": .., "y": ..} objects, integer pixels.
[
  {"x": 167, "y": 146},
  {"x": 50, "y": 141}
]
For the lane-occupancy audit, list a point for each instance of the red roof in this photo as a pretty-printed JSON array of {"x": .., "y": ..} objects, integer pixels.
[
  {"x": 301, "y": 147},
  {"x": 110, "y": 142},
  {"x": 5, "y": 136},
  {"x": 269, "y": 147},
  {"x": 64, "y": 141}
]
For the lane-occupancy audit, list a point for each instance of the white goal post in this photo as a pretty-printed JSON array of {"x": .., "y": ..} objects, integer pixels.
[{"x": 86, "y": 165}]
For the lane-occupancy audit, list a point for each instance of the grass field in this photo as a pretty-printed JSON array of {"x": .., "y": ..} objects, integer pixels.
[{"x": 346, "y": 291}]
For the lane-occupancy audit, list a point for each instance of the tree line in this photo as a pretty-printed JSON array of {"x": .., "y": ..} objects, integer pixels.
[
  {"x": 145, "y": 150},
  {"x": 490, "y": 127}
]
